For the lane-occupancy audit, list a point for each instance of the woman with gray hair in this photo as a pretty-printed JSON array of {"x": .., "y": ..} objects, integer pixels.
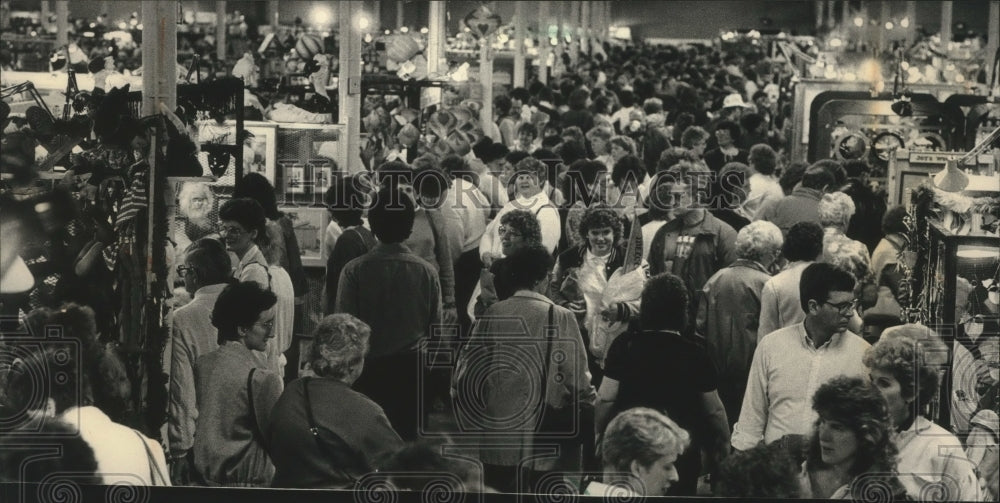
[
  {"x": 729, "y": 310},
  {"x": 639, "y": 450},
  {"x": 323, "y": 434}
]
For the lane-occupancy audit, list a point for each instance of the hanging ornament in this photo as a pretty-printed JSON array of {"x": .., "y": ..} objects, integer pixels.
[
  {"x": 308, "y": 46},
  {"x": 482, "y": 22}
]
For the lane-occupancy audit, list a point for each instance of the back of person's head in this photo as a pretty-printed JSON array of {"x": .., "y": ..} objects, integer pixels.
[
  {"x": 573, "y": 133},
  {"x": 751, "y": 122},
  {"x": 572, "y": 151},
  {"x": 804, "y": 242},
  {"x": 521, "y": 94},
  {"x": 58, "y": 371},
  {"x": 391, "y": 215},
  {"x": 665, "y": 299},
  {"x": 763, "y": 158},
  {"x": 817, "y": 178},
  {"x": 246, "y": 212},
  {"x": 857, "y": 168},
  {"x": 894, "y": 221},
  {"x": 791, "y": 176},
  {"x": 503, "y": 104},
  {"x": 764, "y": 471},
  {"x": 670, "y": 157},
  {"x": 834, "y": 169},
  {"x": 454, "y": 165},
  {"x": 835, "y": 209},
  {"x": 481, "y": 148},
  {"x": 494, "y": 152},
  {"x": 255, "y": 186},
  {"x": 526, "y": 266},
  {"x": 578, "y": 98},
  {"x": 652, "y": 106},
  {"x": 346, "y": 198},
  {"x": 238, "y": 306},
  {"x": 626, "y": 98},
  {"x": 628, "y": 171},
  {"x": 210, "y": 261},
  {"x": 392, "y": 173},
  {"x": 429, "y": 180},
  {"x": 819, "y": 279},
  {"x": 759, "y": 241},
  {"x": 22, "y": 459},
  {"x": 515, "y": 157},
  {"x": 580, "y": 179}
]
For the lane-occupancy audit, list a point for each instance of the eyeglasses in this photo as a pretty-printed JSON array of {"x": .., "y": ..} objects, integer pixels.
[
  {"x": 506, "y": 231},
  {"x": 266, "y": 324},
  {"x": 225, "y": 231},
  {"x": 844, "y": 307}
]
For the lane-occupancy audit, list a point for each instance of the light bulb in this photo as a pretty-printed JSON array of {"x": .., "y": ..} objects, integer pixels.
[{"x": 859, "y": 22}]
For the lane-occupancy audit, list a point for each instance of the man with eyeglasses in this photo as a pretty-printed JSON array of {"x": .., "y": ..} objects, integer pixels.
[
  {"x": 790, "y": 364},
  {"x": 206, "y": 272}
]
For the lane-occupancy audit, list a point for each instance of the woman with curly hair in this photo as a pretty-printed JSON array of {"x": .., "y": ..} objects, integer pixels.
[
  {"x": 851, "y": 453},
  {"x": 354, "y": 433},
  {"x": 581, "y": 276},
  {"x": 903, "y": 365},
  {"x": 518, "y": 229}
]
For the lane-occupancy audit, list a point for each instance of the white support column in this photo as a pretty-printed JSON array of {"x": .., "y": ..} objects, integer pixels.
[
  {"x": 273, "y": 13},
  {"x": 520, "y": 32},
  {"x": 159, "y": 56},
  {"x": 574, "y": 19},
  {"x": 831, "y": 13},
  {"x": 818, "y": 8},
  {"x": 544, "y": 47},
  {"x": 911, "y": 17},
  {"x": 436, "y": 27},
  {"x": 845, "y": 15},
  {"x": 62, "y": 22},
  {"x": 946, "y": 10},
  {"x": 220, "y": 29},
  {"x": 585, "y": 27},
  {"x": 46, "y": 11},
  {"x": 376, "y": 17},
  {"x": 486, "y": 79},
  {"x": 399, "y": 14},
  {"x": 883, "y": 34},
  {"x": 349, "y": 90}
]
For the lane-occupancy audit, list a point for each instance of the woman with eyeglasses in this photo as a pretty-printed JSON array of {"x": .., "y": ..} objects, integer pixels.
[
  {"x": 236, "y": 392},
  {"x": 518, "y": 229}
]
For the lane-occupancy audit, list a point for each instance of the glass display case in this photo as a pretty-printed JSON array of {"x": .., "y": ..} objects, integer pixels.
[{"x": 959, "y": 300}]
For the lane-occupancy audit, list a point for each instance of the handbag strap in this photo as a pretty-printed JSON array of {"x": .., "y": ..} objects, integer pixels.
[
  {"x": 314, "y": 430},
  {"x": 156, "y": 477},
  {"x": 254, "y": 427},
  {"x": 548, "y": 354}
]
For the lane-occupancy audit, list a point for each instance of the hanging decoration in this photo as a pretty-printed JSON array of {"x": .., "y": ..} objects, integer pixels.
[{"x": 482, "y": 22}]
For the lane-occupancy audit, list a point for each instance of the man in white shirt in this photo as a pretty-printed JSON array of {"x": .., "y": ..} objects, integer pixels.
[
  {"x": 206, "y": 271},
  {"x": 791, "y": 364},
  {"x": 764, "y": 186}
]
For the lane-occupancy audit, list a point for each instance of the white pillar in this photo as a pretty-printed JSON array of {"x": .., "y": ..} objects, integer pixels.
[
  {"x": 831, "y": 13},
  {"x": 62, "y": 23},
  {"x": 845, "y": 15},
  {"x": 399, "y": 14},
  {"x": 946, "y": 9},
  {"x": 883, "y": 34},
  {"x": 220, "y": 29},
  {"x": 911, "y": 15},
  {"x": 376, "y": 17},
  {"x": 273, "y": 13},
  {"x": 159, "y": 56},
  {"x": 574, "y": 19},
  {"x": 585, "y": 27},
  {"x": 818, "y": 8},
  {"x": 45, "y": 12},
  {"x": 486, "y": 79},
  {"x": 436, "y": 27},
  {"x": 544, "y": 47},
  {"x": 520, "y": 31},
  {"x": 349, "y": 90}
]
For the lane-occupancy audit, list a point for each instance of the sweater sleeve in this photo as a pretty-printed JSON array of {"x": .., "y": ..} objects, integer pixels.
[
  {"x": 298, "y": 274},
  {"x": 548, "y": 219},
  {"x": 442, "y": 252}
]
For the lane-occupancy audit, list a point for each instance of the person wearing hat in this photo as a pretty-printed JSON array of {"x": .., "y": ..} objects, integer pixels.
[{"x": 733, "y": 107}]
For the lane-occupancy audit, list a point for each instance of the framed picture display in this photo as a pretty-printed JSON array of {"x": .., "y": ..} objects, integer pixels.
[
  {"x": 295, "y": 177},
  {"x": 260, "y": 148},
  {"x": 309, "y": 225},
  {"x": 322, "y": 173}
]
